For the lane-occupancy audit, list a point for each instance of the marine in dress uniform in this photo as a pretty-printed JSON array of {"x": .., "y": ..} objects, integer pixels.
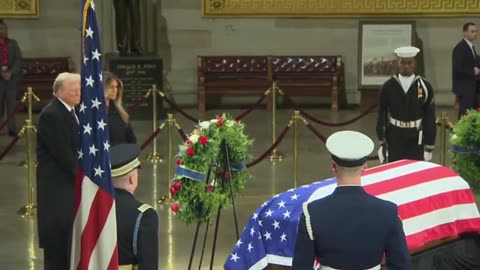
[
  {"x": 137, "y": 223},
  {"x": 350, "y": 229},
  {"x": 406, "y": 113}
]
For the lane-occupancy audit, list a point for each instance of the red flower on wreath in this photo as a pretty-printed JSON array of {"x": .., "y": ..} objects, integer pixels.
[
  {"x": 190, "y": 152},
  {"x": 220, "y": 121},
  {"x": 175, "y": 207},
  {"x": 203, "y": 140},
  {"x": 179, "y": 162},
  {"x": 210, "y": 188},
  {"x": 225, "y": 176}
]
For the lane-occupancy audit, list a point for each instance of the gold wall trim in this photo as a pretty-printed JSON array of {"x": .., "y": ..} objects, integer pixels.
[
  {"x": 339, "y": 8},
  {"x": 19, "y": 8}
]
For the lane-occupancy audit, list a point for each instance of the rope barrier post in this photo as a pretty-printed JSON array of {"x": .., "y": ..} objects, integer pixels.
[
  {"x": 154, "y": 157},
  {"x": 171, "y": 122},
  {"x": 30, "y": 209},
  {"x": 276, "y": 155},
  {"x": 296, "y": 117}
]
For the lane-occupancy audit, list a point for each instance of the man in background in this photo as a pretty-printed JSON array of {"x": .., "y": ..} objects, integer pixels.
[
  {"x": 10, "y": 71},
  {"x": 465, "y": 70},
  {"x": 58, "y": 142}
]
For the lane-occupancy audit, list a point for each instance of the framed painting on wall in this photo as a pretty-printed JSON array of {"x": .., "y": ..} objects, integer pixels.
[
  {"x": 377, "y": 41},
  {"x": 19, "y": 9}
]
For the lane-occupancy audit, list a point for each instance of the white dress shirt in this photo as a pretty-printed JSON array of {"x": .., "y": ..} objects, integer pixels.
[
  {"x": 470, "y": 44},
  {"x": 69, "y": 108}
]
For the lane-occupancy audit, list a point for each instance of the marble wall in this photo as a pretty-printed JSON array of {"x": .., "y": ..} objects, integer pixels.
[{"x": 182, "y": 34}]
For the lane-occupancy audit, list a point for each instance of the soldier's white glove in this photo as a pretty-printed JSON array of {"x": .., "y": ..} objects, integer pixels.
[
  {"x": 381, "y": 157},
  {"x": 427, "y": 156}
]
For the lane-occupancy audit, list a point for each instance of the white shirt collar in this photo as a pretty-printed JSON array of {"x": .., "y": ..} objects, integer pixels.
[
  {"x": 406, "y": 81},
  {"x": 69, "y": 108},
  {"x": 468, "y": 42}
]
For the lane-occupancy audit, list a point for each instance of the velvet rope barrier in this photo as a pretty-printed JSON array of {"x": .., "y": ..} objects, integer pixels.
[
  {"x": 11, "y": 115},
  {"x": 177, "y": 108},
  {"x": 269, "y": 150},
  {"x": 9, "y": 147},
  {"x": 152, "y": 136},
  {"x": 182, "y": 133},
  {"x": 253, "y": 106},
  {"x": 320, "y": 122},
  {"x": 139, "y": 102}
]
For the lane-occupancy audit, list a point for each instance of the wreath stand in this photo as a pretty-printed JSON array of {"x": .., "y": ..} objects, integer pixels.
[{"x": 223, "y": 156}]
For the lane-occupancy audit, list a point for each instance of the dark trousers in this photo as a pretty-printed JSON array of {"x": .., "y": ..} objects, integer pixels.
[
  {"x": 56, "y": 251},
  {"x": 127, "y": 25},
  {"x": 403, "y": 144},
  {"x": 8, "y": 94},
  {"x": 468, "y": 101}
]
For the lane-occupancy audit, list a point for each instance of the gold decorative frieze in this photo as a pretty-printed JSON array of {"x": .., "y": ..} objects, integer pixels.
[
  {"x": 339, "y": 8},
  {"x": 19, "y": 8}
]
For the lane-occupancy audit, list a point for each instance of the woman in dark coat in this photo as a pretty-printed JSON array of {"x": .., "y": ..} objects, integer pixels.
[{"x": 119, "y": 127}]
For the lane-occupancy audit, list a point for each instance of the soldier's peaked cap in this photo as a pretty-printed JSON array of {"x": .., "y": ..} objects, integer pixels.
[
  {"x": 124, "y": 158},
  {"x": 349, "y": 148}
]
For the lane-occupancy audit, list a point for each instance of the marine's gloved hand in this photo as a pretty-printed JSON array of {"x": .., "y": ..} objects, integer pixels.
[
  {"x": 427, "y": 156},
  {"x": 381, "y": 156}
]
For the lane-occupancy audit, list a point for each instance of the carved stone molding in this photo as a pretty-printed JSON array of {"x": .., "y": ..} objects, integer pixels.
[{"x": 339, "y": 8}]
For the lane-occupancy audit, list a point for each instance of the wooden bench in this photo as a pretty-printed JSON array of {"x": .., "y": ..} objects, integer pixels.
[
  {"x": 253, "y": 75},
  {"x": 40, "y": 73},
  {"x": 232, "y": 75},
  {"x": 311, "y": 76}
]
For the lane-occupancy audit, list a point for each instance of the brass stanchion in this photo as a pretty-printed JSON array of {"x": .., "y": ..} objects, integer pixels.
[
  {"x": 276, "y": 155},
  {"x": 154, "y": 157},
  {"x": 171, "y": 122},
  {"x": 296, "y": 117},
  {"x": 445, "y": 125},
  {"x": 30, "y": 209}
]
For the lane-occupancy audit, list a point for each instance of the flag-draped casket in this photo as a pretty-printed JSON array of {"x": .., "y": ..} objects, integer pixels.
[{"x": 433, "y": 202}]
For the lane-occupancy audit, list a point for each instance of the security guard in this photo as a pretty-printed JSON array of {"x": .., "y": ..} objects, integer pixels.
[
  {"x": 137, "y": 223},
  {"x": 350, "y": 229},
  {"x": 406, "y": 113}
]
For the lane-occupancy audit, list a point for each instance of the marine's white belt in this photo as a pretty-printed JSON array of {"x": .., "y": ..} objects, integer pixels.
[{"x": 323, "y": 267}]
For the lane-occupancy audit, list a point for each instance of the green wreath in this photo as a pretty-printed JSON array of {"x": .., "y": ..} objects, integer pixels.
[
  {"x": 202, "y": 179},
  {"x": 465, "y": 151}
]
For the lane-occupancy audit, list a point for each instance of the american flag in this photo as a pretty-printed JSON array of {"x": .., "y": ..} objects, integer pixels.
[
  {"x": 94, "y": 239},
  {"x": 433, "y": 203}
]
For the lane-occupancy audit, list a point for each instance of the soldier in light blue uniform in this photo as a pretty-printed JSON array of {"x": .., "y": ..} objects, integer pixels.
[{"x": 350, "y": 229}]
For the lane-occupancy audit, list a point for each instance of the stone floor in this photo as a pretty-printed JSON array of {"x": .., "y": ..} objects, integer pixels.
[{"x": 18, "y": 246}]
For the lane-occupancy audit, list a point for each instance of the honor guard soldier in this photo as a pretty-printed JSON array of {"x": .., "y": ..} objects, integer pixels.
[
  {"x": 137, "y": 223},
  {"x": 406, "y": 113},
  {"x": 350, "y": 229}
]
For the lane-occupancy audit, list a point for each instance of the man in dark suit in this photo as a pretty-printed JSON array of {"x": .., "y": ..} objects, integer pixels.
[
  {"x": 10, "y": 71},
  {"x": 57, "y": 146},
  {"x": 137, "y": 223},
  {"x": 465, "y": 70},
  {"x": 350, "y": 229},
  {"x": 127, "y": 26}
]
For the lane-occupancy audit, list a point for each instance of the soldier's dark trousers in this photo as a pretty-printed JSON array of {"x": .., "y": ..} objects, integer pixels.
[{"x": 402, "y": 143}]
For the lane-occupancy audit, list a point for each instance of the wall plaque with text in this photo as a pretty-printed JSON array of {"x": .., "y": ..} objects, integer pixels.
[{"x": 138, "y": 74}]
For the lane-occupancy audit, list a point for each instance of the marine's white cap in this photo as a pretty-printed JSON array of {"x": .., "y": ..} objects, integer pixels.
[
  {"x": 349, "y": 148},
  {"x": 407, "y": 51}
]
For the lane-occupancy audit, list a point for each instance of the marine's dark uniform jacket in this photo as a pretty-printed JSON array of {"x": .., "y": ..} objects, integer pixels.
[
  {"x": 350, "y": 230},
  {"x": 406, "y": 121},
  {"x": 140, "y": 249}
]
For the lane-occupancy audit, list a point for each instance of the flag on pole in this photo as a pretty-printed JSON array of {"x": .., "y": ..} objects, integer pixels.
[{"x": 94, "y": 237}]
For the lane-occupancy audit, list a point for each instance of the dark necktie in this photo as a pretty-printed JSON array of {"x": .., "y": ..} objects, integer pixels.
[
  {"x": 474, "y": 52},
  {"x": 74, "y": 115}
]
